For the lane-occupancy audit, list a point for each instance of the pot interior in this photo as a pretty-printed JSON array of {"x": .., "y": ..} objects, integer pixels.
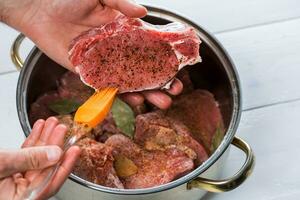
[{"x": 41, "y": 73}]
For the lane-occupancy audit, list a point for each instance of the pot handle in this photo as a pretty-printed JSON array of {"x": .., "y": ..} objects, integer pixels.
[
  {"x": 230, "y": 183},
  {"x": 14, "y": 52}
]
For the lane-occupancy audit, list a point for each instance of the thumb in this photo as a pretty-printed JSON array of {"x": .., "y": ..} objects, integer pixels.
[
  {"x": 28, "y": 159},
  {"x": 127, "y": 7}
]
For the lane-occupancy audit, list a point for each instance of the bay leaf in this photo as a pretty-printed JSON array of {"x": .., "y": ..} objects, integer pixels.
[
  {"x": 123, "y": 116},
  {"x": 64, "y": 106},
  {"x": 124, "y": 166}
]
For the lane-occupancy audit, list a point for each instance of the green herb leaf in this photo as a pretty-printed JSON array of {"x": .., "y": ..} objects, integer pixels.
[
  {"x": 124, "y": 117},
  {"x": 64, "y": 106},
  {"x": 217, "y": 139}
]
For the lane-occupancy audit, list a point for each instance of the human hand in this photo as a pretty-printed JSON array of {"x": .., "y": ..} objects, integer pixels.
[
  {"x": 52, "y": 25},
  {"x": 42, "y": 149}
]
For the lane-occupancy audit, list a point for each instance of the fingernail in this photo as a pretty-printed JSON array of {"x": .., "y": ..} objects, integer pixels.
[{"x": 53, "y": 153}]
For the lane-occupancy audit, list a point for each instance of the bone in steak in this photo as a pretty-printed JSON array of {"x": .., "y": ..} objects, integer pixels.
[{"x": 133, "y": 55}]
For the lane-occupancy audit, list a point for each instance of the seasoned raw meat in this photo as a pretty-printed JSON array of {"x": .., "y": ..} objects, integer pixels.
[
  {"x": 66, "y": 120},
  {"x": 133, "y": 55},
  {"x": 39, "y": 109},
  {"x": 154, "y": 167},
  {"x": 155, "y": 131},
  {"x": 185, "y": 79},
  {"x": 199, "y": 111},
  {"x": 106, "y": 129},
  {"x": 71, "y": 87},
  {"x": 96, "y": 164}
]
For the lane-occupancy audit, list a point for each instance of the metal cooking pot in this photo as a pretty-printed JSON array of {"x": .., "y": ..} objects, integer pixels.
[{"x": 216, "y": 73}]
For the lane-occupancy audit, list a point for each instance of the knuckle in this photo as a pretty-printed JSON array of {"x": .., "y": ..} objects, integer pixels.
[{"x": 33, "y": 160}]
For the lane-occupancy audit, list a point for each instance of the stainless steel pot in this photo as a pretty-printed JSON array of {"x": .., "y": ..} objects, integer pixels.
[{"x": 216, "y": 73}]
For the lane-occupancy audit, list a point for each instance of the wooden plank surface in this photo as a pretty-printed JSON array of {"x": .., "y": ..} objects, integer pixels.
[
  {"x": 11, "y": 134},
  {"x": 268, "y": 62},
  {"x": 216, "y": 15},
  {"x": 273, "y": 133}
]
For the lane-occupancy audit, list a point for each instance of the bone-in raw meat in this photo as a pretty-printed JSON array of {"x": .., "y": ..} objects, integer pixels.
[{"x": 133, "y": 55}]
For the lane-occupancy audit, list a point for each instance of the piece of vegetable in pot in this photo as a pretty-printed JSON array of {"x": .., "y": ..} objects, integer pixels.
[
  {"x": 123, "y": 116},
  {"x": 64, "y": 106},
  {"x": 124, "y": 166}
]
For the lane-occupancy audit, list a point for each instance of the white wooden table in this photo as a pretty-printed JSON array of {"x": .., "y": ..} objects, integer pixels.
[{"x": 263, "y": 38}]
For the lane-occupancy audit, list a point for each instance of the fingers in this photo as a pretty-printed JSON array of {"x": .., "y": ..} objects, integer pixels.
[
  {"x": 55, "y": 137},
  {"x": 158, "y": 98},
  {"x": 176, "y": 87},
  {"x": 127, "y": 7},
  {"x": 58, "y": 135},
  {"x": 28, "y": 159},
  {"x": 49, "y": 127},
  {"x": 162, "y": 100},
  {"x": 35, "y": 134},
  {"x": 133, "y": 99},
  {"x": 63, "y": 172}
]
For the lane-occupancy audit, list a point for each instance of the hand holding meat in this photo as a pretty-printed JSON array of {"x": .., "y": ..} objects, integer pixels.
[
  {"x": 42, "y": 149},
  {"x": 52, "y": 24}
]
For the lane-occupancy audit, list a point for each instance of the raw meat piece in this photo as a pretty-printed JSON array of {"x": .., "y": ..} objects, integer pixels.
[
  {"x": 184, "y": 77},
  {"x": 39, "y": 109},
  {"x": 66, "y": 120},
  {"x": 106, "y": 129},
  {"x": 134, "y": 55},
  {"x": 154, "y": 167},
  {"x": 156, "y": 131},
  {"x": 96, "y": 164},
  {"x": 199, "y": 111},
  {"x": 71, "y": 87}
]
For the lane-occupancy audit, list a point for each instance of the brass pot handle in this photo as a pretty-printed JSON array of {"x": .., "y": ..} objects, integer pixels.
[
  {"x": 230, "y": 183},
  {"x": 14, "y": 52}
]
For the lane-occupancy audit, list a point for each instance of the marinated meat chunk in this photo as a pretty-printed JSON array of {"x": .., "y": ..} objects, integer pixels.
[
  {"x": 184, "y": 77},
  {"x": 155, "y": 131},
  {"x": 39, "y": 109},
  {"x": 66, "y": 120},
  {"x": 96, "y": 164},
  {"x": 199, "y": 111},
  {"x": 71, "y": 87},
  {"x": 133, "y": 55},
  {"x": 153, "y": 167},
  {"x": 106, "y": 129}
]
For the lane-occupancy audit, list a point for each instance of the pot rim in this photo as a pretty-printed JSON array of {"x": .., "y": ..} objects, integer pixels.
[{"x": 231, "y": 72}]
